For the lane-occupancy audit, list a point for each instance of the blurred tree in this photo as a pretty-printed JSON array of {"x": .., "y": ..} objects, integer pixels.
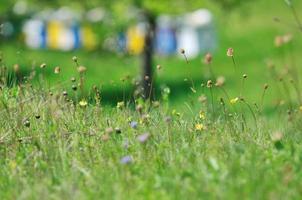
[{"x": 149, "y": 9}]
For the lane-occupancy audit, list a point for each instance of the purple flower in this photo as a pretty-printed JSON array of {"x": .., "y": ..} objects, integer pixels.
[
  {"x": 143, "y": 137},
  {"x": 126, "y": 160},
  {"x": 133, "y": 124}
]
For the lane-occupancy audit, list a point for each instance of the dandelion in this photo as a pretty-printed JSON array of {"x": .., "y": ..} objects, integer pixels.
[
  {"x": 82, "y": 69},
  {"x": 57, "y": 70},
  {"x": 83, "y": 103},
  {"x": 126, "y": 160},
  {"x": 143, "y": 137},
  {"x": 234, "y": 100},
  {"x": 120, "y": 105},
  {"x": 199, "y": 127}
]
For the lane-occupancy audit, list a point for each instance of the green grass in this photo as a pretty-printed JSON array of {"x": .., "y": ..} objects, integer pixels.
[
  {"x": 51, "y": 147},
  {"x": 69, "y": 153}
]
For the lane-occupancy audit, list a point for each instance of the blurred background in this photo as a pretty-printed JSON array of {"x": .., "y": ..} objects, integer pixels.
[{"x": 123, "y": 43}]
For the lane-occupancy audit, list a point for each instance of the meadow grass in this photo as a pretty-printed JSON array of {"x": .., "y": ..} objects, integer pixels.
[{"x": 232, "y": 135}]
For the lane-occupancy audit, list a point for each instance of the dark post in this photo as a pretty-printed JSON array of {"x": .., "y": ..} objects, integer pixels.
[{"x": 147, "y": 56}]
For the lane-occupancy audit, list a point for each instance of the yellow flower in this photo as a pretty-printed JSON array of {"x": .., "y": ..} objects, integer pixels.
[
  {"x": 202, "y": 115},
  {"x": 83, "y": 103},
  {"x": 120, "y": 105},
  {"x": 235, "y": 100},
  {"x": 199, "y": 127}
]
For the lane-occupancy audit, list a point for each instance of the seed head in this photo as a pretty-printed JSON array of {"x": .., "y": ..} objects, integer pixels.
[
  {"x": 16, "y": 68},
  {"x": 208, "y": 58},
  {"x": 82, "y": 69},
  {"x": 57, "y": 70},
  {"x": 230, "y": 52},
  {"x": 74, "y": 87},
  {"x": 220, "y": 81},
  {"x": 75, "y": 59},
  {"x": 209, "y": 83},
  {"x": 182, "y": 51},
  {"x": 43, "y": 65},
  {"x": 65, "y": 93},
  {"x": 26, "y": 123}
]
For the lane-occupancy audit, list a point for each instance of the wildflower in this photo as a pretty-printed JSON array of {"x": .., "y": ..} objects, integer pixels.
[
  {"x": 83, "y": 103},
  {"x": 57, "y": 70},
  {"x": 126, "y": 160},
  {"x": 26, "y": 123},
  {"x": 202, "y": 115},
  {"x": 199, "y": 127},
  {"x": 230, "y": 52},
  {"x": 81, "y": 69},
  {"x": 220, "y": 81},
  {"x": 120, "y": 105},
  {"x": 234, "y": 101},
  {"x": 43, "y": 65},
  {"x": 133, "y": 124},
  {"x": 209, "y": 83},
  {"x": 208, "y": 58},
  {"x": 143, "y": 137}
]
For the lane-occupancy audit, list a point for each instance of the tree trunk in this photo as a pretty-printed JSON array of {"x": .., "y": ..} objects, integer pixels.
[{"x": 147, "y": 57}]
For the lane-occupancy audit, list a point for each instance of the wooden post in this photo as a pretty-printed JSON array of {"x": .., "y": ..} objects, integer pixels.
[{"x": 147, "y": 57}]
